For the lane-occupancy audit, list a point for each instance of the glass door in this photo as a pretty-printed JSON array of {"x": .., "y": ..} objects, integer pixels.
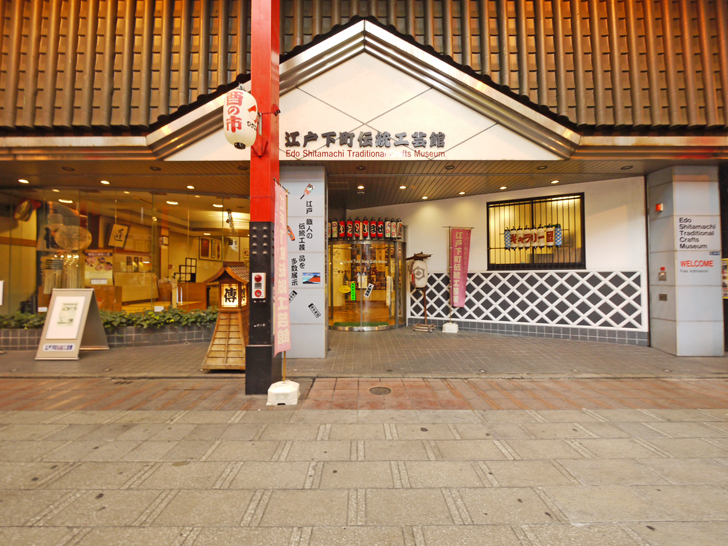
[{"x": 365, "y": 287}]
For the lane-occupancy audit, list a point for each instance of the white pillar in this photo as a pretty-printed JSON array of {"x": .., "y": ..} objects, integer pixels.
[
  {"x": 307, "y": 260},
  {"x": 686, "y": 307}
]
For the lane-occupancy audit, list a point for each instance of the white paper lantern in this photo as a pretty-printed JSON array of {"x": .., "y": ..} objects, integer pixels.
[{"x": 240, "y": 118}]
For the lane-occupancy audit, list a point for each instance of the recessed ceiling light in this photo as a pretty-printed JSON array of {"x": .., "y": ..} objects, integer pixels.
[
  {"x": 197, "y": 196},
  {"x": 554, "y": 181},
  {"x": 504, "y": 187},
  {"x": 462, "y": 193},
  {"x": 65, "y": 201},
  {"x": 541, "y": 167},
  {"x": 57, "y": 191},
  {"x": 361, "y": 168},
  {"x": 127, "y": 192},
  {"x": 626, "y": 167},
  {"x": 155, "y": 168},
  {"x": 68, "y": 169},
  {"x": 190, "y": 187},
  {"x": 172, "y": 203},
  {"x": 424, "y": 197},
  {"x": 243, "y": 167},
  {"x": 449, "y": 167},
  {"x": 403, "y": 187},
  {"x": 23, "y": 181},
  {"x": 360, "y": 187},
  {"x": 206, "y": 234},
  {"x": 217, "y": 206},
  {"x": 105, "y": 182}
]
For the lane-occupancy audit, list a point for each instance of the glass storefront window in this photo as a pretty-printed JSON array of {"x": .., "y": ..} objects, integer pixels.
[{"x": 138, "y": 250}]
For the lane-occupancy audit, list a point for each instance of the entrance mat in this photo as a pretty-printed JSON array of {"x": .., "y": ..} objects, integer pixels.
[{"x": 350, "y": 324}]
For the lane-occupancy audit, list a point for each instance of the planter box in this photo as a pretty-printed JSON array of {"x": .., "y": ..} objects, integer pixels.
[{"x": 127, "y": 336}]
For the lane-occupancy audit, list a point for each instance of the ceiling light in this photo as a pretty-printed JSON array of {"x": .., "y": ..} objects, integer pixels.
[
  {"x": 105, "y": 182},
  {"x": 541, "y": 167},
  {"x": 172, "y": 203},
  {"x": 243, "y": 167},
  {"x": 462, "y": 193},
  {"x": 190, "y": 187},
  {"x": 403, "y": 187},
  {"x": 155, "y": 168},
  {"x": 554, "y": 181},
  {"x": 449, "y": 167},
  {"x": 217, "y": 206},
  {"x": 206, "y": 234},
  {"x": 197, "y": 196},
  {"x": 361, "y": 168},
  {"x": 626, "y": 167},
  {"x": 504, "y": 187},
  {"x": 127, "y": 192},
  {"x": 57, "y": 191},
  {"x": 23, "y": 181},
  {"x": 360, "y": 187},
  {"x": 424, "y": 197},
  {"x": 65, "y": 201},
  {"x": 68, "y": 169}
]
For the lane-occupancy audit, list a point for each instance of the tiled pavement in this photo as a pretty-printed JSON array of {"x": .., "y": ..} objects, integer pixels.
[
  {"x": 395, "y": 353},
  {"x": 542, "y": 456},
  {"x": 285, "y": 477}
]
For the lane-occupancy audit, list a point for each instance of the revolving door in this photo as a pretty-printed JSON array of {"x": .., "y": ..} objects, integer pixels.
[{"x": 367, "y": 287}]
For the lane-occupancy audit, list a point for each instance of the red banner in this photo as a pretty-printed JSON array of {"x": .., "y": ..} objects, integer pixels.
[
  {"x": 459, "y": 258},
  {"x": 281, "y": 312}
]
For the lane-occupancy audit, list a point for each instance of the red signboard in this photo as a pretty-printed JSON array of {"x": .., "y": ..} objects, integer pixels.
[{"x": 459, "y": 258}]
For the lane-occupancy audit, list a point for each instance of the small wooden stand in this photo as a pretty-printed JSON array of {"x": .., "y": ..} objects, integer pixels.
[
  {"x": 424, "y": 326},
  {"x": 227, "y": 347}
]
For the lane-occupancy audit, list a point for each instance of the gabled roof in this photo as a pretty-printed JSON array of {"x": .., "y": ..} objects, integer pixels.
[{"x": 237, "y": 272}]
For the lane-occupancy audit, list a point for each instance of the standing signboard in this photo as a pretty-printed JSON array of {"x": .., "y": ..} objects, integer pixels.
[
  {"x": 281, "y": 313},
  {"x": 73, "y": 323}
]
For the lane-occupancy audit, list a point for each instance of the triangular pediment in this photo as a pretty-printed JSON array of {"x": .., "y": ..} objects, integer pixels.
[{"x": 364, "y": 79}]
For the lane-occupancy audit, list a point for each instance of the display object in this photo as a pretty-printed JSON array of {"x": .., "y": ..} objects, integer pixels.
[
  {"x": 418, "y": 281},
  {"x": 240, "y": 118},
  {"x": 366, "y": 230},
  {"x": 227, "y": 347},
  {"x": 118, "y": 235}
]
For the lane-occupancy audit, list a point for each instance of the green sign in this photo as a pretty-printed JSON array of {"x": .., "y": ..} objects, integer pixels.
[{"x": 353, "y": 291}]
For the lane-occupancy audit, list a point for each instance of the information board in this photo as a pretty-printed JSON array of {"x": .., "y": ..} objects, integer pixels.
[{"x": 73, "y": 323}]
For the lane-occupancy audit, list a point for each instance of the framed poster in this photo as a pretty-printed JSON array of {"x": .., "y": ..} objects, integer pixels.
[
  {"x": 118, "y": 235},
  {"x": 210, "y": 249},
  {"x": 65, "y": 317}
]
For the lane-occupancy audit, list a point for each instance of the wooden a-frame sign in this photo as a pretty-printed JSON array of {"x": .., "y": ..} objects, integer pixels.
[{"x": 73, "y": 323}]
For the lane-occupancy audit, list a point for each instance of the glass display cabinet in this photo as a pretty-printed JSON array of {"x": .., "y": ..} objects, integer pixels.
[{"x": 368, "y": 285}]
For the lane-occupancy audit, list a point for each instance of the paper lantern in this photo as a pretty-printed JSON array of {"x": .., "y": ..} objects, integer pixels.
[
  {"x": 558, "y": 235},
  {"x": 507, "y": 238},
  {"x": 240, "y": 118}
]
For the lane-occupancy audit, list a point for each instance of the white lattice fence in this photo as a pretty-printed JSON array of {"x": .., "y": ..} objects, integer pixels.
[{"x": 594, "y": 299}]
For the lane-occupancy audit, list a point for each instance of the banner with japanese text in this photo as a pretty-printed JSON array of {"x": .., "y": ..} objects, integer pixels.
[
  {"x": 459, "y": 258},
  {"x": 282, "y": 316}
]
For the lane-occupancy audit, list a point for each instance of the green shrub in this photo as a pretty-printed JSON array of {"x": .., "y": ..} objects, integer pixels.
[{"x": 117, "y": 319}]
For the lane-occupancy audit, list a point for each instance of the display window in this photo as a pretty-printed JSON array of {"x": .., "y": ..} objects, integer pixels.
[
  {"x": 138, "y": 250},
  {"x": 542, "y": 233}
]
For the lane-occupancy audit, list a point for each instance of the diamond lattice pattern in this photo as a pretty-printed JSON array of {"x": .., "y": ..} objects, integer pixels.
[{"x": 603, "y": 299}]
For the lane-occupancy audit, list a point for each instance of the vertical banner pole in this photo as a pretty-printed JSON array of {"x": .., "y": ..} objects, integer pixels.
[{"x": 263, "y": 367}]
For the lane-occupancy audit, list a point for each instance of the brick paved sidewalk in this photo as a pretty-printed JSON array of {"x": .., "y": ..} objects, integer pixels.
[{"x": 395, "y": 353}]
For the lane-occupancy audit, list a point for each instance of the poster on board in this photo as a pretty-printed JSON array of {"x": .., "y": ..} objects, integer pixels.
[{"x": 73, "y": 323}]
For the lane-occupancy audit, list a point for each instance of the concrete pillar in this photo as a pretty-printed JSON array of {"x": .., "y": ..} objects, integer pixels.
[{"x": 686, "y": 307}]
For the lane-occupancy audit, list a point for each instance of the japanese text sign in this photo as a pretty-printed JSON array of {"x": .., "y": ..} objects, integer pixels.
[{"x": 459, "y": 258}]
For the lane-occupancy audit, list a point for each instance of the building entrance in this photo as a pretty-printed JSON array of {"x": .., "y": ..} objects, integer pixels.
[{"x": 367, "y": 288}]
